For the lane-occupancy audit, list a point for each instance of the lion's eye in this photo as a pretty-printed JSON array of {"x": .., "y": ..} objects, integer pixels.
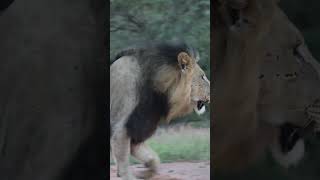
[{"x": 290, "y": 76}]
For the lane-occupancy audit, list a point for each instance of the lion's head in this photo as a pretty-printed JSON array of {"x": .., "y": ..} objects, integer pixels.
[
  {"x": 200, "y": 90},
  {"x": 186, "y": 84},
  {"x": 289, "y": 75},
  {"x": 289, "y": 86},
  {"x": 267, "y": 84}
]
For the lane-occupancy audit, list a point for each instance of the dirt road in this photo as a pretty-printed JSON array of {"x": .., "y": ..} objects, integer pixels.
[{"x": 175, "y": 171}]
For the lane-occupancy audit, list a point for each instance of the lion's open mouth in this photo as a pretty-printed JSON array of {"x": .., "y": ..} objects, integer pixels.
[
  {"x": 290, "y": 134},
  {"x": 200, "y": 107}
]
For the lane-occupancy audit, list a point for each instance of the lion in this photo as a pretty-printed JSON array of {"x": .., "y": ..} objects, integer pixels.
[
  {"x": 266, "y": 85},
  {"x": 149, "y": 84}
]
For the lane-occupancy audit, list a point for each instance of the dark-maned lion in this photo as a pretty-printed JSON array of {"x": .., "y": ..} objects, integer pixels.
[
  {"x": 147, "y": 85},
  {"x": 266, "y": 85}
]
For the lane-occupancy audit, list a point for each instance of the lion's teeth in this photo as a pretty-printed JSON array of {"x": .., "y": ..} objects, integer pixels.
[{"x": 203, "y": 109}]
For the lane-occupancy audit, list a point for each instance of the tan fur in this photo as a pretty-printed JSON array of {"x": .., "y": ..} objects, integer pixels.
[
  {"x": 246, "y": 109},
  {"x": 185, "y": 84},
  {"x": 236, "y": 65},
  {"x": 182, "y": 87}
]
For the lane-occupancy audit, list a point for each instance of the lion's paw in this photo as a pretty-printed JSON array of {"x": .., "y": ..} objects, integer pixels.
[{"x": 145, "y": 174}]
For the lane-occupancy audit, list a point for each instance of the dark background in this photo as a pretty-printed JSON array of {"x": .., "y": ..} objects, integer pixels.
[
  {"x": 305, "y": 15},
  {"x": 52, "y": 96}
]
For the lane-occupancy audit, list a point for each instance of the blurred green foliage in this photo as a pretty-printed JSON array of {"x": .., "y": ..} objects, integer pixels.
[{"x": 138, "y": 21}]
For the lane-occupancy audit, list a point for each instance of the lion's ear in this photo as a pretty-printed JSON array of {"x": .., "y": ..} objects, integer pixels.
[{"x": 185, "y": 61}]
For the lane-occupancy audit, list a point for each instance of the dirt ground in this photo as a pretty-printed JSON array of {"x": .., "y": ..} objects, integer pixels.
[{"x": 174, "y": 171}]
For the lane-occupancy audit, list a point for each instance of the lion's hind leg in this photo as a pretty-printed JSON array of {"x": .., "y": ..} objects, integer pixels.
[
  {"x": 120, "y": 144},
  {"x": 148, "y": 157}
]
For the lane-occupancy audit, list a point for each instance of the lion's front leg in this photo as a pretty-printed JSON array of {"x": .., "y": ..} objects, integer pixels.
[
  {"x": 148, "y": 157},
  {"x": 120, "y": 144}
]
